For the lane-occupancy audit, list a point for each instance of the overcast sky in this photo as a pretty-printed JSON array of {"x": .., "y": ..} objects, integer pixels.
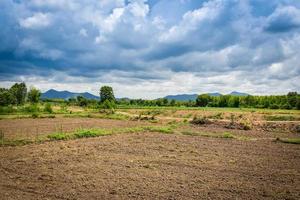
[{"x": 149, "y": 49}]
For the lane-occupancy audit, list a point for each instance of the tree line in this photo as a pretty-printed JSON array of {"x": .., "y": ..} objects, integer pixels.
[{"x": 18, "y": 95}]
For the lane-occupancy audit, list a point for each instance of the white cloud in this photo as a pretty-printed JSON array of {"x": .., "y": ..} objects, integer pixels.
[{"x": 36, "y": 21}]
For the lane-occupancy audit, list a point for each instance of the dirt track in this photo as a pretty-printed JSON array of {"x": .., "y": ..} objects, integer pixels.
[{"x": 151, "y": 166}]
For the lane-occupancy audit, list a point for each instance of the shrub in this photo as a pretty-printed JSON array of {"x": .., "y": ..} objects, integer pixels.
[
  {"x": 48, "y": 108},
  {"x": 246, "y": 125},
  {"x": 32, "y": 108},
  {"x": 6, "y": 109},
  {"x": 35, "y": 115},
  {"x": 108, "y": 107},
  {"x": 199, "y": 120}
]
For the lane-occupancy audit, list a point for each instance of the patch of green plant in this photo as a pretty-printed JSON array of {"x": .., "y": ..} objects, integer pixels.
[
  {"x": 289, "y": 140},
  {"x": 160, "y": 129},
  {"x": 199, "y": 120},
  {"x": 208, "y": 134},
  {"x": 58, "y": 136},
  {"x": 35, "y": 115},
  {"x": 91, "y": 133},
  {"x": 216, "y": 116},
  {"x": 19, "y": 142},
  {"x": 7, "y": 109},
  {"x": 280, "y": 118},
  {"x": 31, "y": 108},
  {"x": 246, "y": 125},
  {"x": 48, "y": 108}
]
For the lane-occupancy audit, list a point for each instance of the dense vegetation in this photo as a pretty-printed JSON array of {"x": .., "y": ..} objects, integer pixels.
[{"x": 18, "y": 95}]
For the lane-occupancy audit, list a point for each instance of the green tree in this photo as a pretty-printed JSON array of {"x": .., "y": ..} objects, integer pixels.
[
  {"x": 19, "y": 90},
  {"x": 6, "y": 97},
  {"x": 292, "y": 98},
  {"x": 173, "y": 102},
  {"x": 203, "y": 100},
  {"x": 106, "y": 93},
  {"x": 82, "y": 101},
  {"x": 34, "y": 95}
]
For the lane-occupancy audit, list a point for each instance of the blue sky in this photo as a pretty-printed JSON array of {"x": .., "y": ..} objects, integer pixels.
[{"x": 149, "y": 49}]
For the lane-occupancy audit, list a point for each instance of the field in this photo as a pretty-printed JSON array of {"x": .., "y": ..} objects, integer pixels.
[{"x": 151, "y": 153}]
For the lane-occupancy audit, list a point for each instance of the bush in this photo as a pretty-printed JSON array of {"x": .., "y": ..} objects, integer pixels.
[
  {"x": 246, "y": 125},
  {"x": 6, "y": 109},
  {"x": 199, "y": 120},
  {"x": 35, "y": 115},
  {"x": 48, "y": 108},
  {"x": 33, "y": 108},
  {"x": 108, "y": 107}
]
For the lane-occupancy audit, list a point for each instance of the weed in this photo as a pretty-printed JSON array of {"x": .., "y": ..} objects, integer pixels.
[
  {"x": 289, "y": 140},
  {"x": 58, "y": 136}
]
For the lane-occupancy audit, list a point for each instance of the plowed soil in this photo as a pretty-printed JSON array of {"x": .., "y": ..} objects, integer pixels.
[
  {"x": 30, "y": 128},
  {"x": 151, "y": 166}
]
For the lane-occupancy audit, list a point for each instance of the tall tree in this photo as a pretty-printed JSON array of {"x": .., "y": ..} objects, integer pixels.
[
  {"x": 19, "y": 90},
  {"x": 106, "y": 93},
  {"x": 203, "y": 100},
  {"x": 34, "y": 95},
  {"x": 292, "y": 98},
  {"x": 6, "y": 97}
]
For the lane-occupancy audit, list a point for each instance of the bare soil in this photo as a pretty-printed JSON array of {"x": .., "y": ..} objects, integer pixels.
[
  {"x": 28, "y": 128},
  {"x": 151, "y": 166}
]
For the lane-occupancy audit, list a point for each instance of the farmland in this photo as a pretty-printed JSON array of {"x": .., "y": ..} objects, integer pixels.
[{"x": 146, "y": 153}]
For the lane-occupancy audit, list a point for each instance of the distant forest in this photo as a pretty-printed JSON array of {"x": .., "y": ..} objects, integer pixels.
[{"x": 18, "y": 95}]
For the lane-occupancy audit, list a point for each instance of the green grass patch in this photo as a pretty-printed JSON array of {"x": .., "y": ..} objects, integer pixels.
[
  {"x": 91, "y": 133},
  {"x": 226, "y": 135},
  {"x": 160, "y": 129},
  {"x": 281, "y": 118},
  {"x": 18, "y": 142},
  {"x": 58, "y": 136},
  {"x": 289, "y": 140}
]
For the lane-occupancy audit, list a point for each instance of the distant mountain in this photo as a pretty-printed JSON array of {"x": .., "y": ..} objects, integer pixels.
[
  {"x": 193, "y": 97},
  {"x": 54, "y": 94},
  {"x": 235, "y": 93},
  {"x": 214, "y": 94},
  {"x": 182, "y": 97}
]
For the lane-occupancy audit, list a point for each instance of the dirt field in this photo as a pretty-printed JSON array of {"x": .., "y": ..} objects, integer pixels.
[
  {"x": 148, "y": 165},
  {"x": 151, "y": 166},
  {"x": 29, "y": 128}
]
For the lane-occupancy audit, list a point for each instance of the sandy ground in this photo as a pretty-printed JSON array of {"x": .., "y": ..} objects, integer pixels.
[{"x": 151, "y": 166}]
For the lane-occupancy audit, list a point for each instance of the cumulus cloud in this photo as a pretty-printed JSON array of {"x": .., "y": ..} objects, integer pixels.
[{"x": 153, "y": 47}]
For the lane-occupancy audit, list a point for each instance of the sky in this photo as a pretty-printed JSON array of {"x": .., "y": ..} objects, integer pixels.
[{"x": 150, "y": 49}]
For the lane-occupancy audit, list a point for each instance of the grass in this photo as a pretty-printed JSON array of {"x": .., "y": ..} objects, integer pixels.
[
  {"x": 88, "y": 133},
  {"x": 58, "y": 136},
  {"x": 289, "y": 140},
  {"x": 281, "y": 118},
  {"x": 225, "y": 135},
  {"x": 160, "y": 129},
  {"x": 18, "y": 142},
  {"x": 91, "y": 133},
  {"x": 115, "y": 116}
]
